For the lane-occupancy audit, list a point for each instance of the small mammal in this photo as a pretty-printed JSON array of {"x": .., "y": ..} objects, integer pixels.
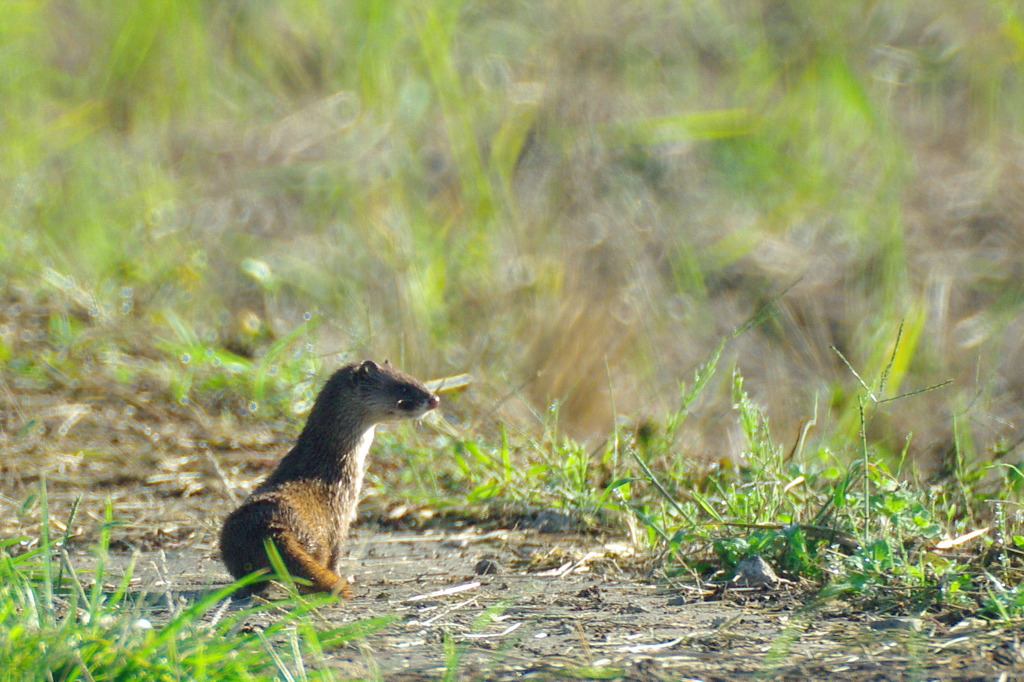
[{"x": 308, "y": 502}]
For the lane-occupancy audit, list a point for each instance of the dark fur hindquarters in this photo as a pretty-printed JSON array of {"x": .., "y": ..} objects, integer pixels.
[{"x": 243, "y": 549}]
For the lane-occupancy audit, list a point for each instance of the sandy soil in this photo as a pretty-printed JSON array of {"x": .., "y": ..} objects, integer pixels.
[
  {"x": 531, "y": 605},
  {"x": 517, "y": 603}
]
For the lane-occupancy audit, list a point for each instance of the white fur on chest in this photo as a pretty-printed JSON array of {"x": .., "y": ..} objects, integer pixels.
[
  {"x": 358, "y": 464},
  {"x": 348, "y": 493},
  {"x": 359, "y": 455}
]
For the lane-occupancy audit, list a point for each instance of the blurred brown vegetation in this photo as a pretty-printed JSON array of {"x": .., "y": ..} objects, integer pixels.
[{"x": 572, "y": 201}]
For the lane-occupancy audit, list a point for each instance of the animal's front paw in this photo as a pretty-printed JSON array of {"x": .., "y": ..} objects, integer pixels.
[{"x": 342, "y": 589}]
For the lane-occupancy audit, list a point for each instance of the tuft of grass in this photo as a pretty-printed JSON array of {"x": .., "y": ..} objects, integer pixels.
[
  {"x": 57, "y": 624},
  {"x": 856, "y": 528}
]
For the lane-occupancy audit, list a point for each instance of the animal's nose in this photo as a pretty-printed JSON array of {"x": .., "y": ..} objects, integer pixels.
[{"x": 433, "y": 401}]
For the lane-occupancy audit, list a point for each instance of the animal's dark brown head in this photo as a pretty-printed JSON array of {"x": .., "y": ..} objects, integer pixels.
[{"x": 389, "y": 394}]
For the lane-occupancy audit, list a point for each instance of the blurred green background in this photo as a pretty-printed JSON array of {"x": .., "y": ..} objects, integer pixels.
[{"x": 573, "y": 201}]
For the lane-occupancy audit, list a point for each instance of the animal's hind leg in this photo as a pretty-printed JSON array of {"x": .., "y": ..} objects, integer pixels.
[{"x": 301, "y": 563}]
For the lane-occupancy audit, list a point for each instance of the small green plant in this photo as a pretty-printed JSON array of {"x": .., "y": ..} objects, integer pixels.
[{"x": 281, "y": 374}]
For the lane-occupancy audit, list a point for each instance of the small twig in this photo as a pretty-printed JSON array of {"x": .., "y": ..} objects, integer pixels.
[
  {"x": 571, "y": 567},
  {"x": 647, "y": 648},
  {"x": 555, "y": 572},
  {"x": 228, "y": 488},
  {"x": 454, "y": 607},
  {"x": 216, "y": 615},
  {"x": 582, "y": 637},
  {"x": 445, "y": 592},
  {"x": 493, "y": 635},
  {"x": 14, "y": 401},
  {"x": 801, "y": 438}
]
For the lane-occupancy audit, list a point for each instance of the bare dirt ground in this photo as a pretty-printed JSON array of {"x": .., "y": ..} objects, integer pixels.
[
  {"x": 556, "y": 606},
  {"x": 516, "y": 602}
]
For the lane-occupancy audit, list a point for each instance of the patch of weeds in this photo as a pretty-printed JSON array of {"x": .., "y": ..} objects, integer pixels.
[
  {"x": 857, "y": 528},
  {"x": 68, "y": 336},
  {"x": 455, "y": 471},
  {"x": 280, "y": 377}
]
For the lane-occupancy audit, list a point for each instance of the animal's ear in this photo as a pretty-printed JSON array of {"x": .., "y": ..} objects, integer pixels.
[
  {"x": 387, "y": 363},
  {"x": 368, "y": 368}
]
